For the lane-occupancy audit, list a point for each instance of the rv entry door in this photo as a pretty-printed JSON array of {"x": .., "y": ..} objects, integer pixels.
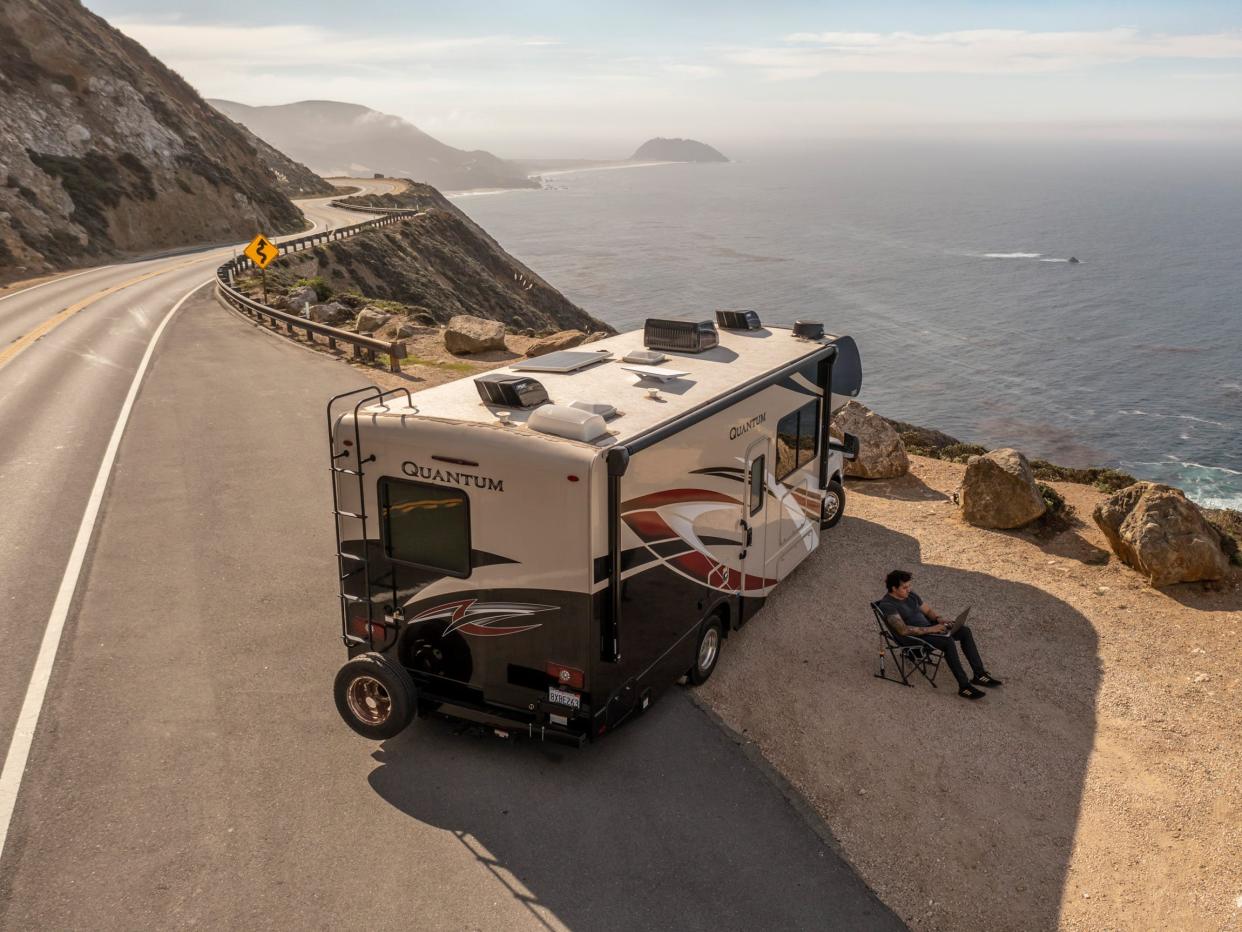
[{"x": 754, "y": 523}]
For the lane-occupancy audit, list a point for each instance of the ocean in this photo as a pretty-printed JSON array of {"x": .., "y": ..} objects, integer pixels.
[{"x": 948, "y": 264}]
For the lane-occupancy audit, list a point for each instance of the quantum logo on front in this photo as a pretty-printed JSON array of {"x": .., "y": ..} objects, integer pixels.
[{"x": 737, "y": 430}]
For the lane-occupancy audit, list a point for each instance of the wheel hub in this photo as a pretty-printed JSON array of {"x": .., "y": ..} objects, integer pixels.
[{"x": 368, "y": 700}]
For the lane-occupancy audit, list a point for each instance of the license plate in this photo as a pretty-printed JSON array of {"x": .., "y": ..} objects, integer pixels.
[{"x": 564, "y": 697}]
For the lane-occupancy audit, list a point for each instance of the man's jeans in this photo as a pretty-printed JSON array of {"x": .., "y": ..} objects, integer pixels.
[{"x": 946, "y": 643}]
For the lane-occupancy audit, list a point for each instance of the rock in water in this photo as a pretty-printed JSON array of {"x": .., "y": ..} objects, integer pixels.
[
  {"x": 564, "y": 340},
  {"x": 467, "y": 334},
  {"x": 999, "y": 491},
  {"x": 881, "y": 454},
  {"x": 371, "y": 319},
  {"x": 1156, "y": 530}
]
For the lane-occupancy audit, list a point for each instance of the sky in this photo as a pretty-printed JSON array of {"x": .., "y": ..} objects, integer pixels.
[{"x": 585, "y": 79}]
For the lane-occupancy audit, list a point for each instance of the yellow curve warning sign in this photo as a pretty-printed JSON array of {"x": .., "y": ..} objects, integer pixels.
[{"x": 262, "y": 251}]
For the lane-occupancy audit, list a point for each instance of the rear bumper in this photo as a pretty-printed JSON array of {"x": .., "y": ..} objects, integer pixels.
[{"x": 513, "y": 725}]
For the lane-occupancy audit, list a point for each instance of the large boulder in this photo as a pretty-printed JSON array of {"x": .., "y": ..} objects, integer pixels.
[
  {"x": 564, "y": 340},
  {"x": 881, "y": 454},
  {"x": 330, "y": 313},
  {"x": 299, "y": 299},
  {"x": 466, "y": 334},
  {"x": 371, "y": 319},
  {"x": 999, "y": 491},
  {"x": 1158, "y": 531}
]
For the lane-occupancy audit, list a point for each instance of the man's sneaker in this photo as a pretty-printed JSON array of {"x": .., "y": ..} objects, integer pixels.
[
  {"x": 969, "y": 692},
  {"x": 988, "y": 680}
]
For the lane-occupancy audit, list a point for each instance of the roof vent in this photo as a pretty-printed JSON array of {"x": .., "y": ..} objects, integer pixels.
[
  {"x": 738, "y": 320},
  {"x": 680, "y": 336},
  {"x": 509, "y": 390},
  {"x": 808, "y": 329},
  {"x": 564, "y": 421}
]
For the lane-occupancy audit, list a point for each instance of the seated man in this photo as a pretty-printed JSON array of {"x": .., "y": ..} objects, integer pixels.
[{"x": 908, "y": 617}]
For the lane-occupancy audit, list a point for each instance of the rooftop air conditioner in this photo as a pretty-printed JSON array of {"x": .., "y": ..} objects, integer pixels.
[
  {"x": 564, "y": 421},
  {"x": 738, "y": 320},
  {"x": 680, "y": 336},
  {"x": 510, "y": 391}
]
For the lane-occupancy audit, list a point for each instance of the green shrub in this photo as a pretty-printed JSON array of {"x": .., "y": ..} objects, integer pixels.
[
  {"x": 323, "y": 291},
  {"x": 961, "y": 452}
]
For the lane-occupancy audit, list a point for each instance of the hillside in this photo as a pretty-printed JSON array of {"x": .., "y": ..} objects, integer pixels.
[
  {"x": 106, "y": 152},
  {"x": 347, "y": 139},
  {"x": 676, "y": 150},
  {"x": 435, "y": 266},
  {"x": 292, "y": 178}
]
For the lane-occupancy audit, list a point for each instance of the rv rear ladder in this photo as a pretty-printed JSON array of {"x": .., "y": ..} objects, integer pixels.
[{"x": 371, "y": 395}]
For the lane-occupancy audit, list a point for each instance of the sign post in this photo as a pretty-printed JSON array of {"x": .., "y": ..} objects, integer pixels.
[{"x": 261, "y": 252}]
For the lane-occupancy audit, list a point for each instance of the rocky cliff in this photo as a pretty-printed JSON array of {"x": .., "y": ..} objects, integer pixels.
[
  {"x": 434, "y": 266},
  {"x": 676, "y": 150},
  {"x": 337, "y": 138},
  {"x": 104, "y": 151}
]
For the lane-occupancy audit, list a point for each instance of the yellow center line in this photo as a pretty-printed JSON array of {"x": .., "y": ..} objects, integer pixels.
[{"x": 23, "y": 342}]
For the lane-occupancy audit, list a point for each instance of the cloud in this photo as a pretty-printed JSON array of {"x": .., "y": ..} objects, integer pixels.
[
  {"x": 975, "y": 51},
  {"x": 312, "y": 46}
]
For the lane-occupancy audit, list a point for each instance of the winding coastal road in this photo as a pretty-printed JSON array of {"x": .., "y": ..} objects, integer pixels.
[{"x": 174, "y": 758}]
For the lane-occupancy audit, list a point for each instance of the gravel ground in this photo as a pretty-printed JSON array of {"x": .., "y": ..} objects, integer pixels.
[{"x": 1097, "y": 789}]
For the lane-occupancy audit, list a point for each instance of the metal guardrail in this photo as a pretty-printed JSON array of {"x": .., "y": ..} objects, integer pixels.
[{"x": 364, "y": 347}]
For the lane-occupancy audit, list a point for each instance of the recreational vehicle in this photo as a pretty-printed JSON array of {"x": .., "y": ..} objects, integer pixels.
[{"x": 546, "y": 547}]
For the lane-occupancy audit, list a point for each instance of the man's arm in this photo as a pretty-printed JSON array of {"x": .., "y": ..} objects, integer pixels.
[
  {"x": 932, "y": 616},
  {"x": 903, "y": 630}
]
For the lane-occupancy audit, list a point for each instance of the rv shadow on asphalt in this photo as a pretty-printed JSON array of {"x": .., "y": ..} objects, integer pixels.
[
  {"x": 664, "y": 824},
  {"x": 962, "y": 812}
]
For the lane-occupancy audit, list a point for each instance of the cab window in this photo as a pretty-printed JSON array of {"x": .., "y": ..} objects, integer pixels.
[{"x": 797, "y": 438}]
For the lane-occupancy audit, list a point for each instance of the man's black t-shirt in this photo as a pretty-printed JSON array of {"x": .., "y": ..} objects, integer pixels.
[{"x": 910, "y": 609}]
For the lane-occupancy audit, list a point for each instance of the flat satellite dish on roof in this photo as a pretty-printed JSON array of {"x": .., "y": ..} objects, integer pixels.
[
  {"x": 660, "y": 375},
  {"x": 564, "y": 361}
]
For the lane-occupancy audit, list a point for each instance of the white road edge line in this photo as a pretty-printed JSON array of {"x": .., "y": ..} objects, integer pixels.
[
  {"x": 40, "y": 676},
  {"x": 53, "y": 281}
]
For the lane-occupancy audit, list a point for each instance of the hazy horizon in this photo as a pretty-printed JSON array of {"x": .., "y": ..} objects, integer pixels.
[{"x": 553, "y": 79}]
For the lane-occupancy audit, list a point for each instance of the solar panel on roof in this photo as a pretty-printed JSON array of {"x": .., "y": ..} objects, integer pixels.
[{"x": 564, "y": 361}]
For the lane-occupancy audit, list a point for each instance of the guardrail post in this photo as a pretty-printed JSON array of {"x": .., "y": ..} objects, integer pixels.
[{"x": 396, "y": 353}]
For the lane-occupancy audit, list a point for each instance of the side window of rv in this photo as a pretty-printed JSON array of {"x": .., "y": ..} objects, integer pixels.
[
  {"x": 797, "y": 438},
  {"x": 757, "y": 468},
  {"x": 426, "y": 525}
]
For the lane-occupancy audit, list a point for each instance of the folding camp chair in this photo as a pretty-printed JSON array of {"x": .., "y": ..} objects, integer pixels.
[{"x": 908, "y": 658}]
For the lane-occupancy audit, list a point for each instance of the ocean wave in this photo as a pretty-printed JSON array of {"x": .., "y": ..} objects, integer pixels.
[
  {"x": 1174, "y": 417},
  {"x": 1012, "y": 255},
  {"x": 1207, "y": 486},
  {"x": 1058, "y": 260}
]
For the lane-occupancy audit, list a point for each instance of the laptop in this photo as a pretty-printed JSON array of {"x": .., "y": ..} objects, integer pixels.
[{"x": 956, "y": 624}]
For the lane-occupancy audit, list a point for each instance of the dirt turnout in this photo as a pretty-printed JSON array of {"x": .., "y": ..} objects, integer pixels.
[{"x": 1098, "y": 789}]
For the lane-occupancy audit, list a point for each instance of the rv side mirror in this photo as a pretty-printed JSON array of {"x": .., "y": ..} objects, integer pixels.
[{"x": 847, "y": 446}]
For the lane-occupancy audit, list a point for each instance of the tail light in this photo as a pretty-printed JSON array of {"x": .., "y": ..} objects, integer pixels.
[{"x": 566, "y": 676}]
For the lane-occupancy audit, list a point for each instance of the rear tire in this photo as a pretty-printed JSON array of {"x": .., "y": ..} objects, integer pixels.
[
  {"x": 706, "y": 652},
  {"x": 375, "y": 696},
  {"x": 833, "y": 507}
]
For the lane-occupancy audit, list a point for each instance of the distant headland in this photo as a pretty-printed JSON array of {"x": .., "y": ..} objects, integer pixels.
[{"x": 676, "y": 150}]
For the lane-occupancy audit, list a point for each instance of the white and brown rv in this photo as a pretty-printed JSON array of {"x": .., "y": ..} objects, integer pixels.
[{"x": 547, "y": 547}]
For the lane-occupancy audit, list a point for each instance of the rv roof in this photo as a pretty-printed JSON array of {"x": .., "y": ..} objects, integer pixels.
[{"x": 740, "y": 357}]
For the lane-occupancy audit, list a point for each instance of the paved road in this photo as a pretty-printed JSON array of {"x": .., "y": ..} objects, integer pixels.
[
  {"x": 60, "y": 393},
  {"x": 189, "y": 768}
]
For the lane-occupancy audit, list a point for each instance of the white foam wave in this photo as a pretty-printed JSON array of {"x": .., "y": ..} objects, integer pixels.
[
  {"x": 1012, "y": 255},
  {"x": 1057, "y": 260},
  {"x": 1173, "y": 417},
  {"x": 1233, "y": 502}
]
